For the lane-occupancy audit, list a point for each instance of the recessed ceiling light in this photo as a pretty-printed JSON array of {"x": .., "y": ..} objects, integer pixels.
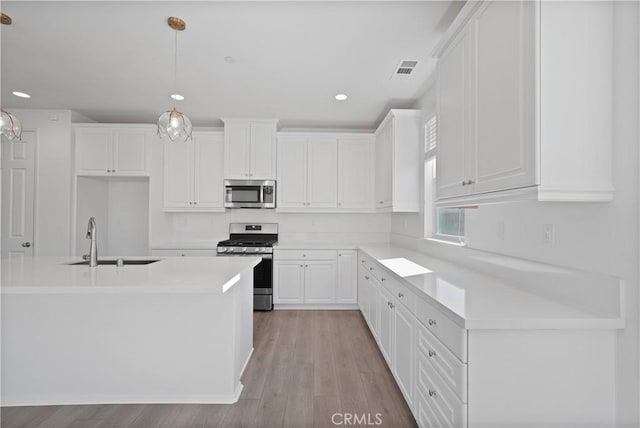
[
  {"x": 21, "y": 94},
  {"x": 177, "y": 97},
  {"x": 341, "y": 97}
]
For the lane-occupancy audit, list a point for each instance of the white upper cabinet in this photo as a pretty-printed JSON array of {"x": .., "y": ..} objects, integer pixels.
[
  {"x": 250, "y": 149},
  {"x": 193, "y": 173},
  {"x": 524, "y": 103},
  {"x": 398, "y": 160},
  {"x": 355, "y": 173},
  {"x": 324, "y": 172},
  {"x": 112, "y": 150}
]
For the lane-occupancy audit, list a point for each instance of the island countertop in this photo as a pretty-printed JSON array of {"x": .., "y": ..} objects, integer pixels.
[{"x": 168, "y": 275}]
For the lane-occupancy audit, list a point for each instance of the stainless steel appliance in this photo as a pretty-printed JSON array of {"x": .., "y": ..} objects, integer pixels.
[
  {"x": 254, "y": 239},
  {"x": 249, "y": 194}
]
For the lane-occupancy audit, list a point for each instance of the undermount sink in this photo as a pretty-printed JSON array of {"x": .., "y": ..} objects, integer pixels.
[{"x": 115, "y": 262}]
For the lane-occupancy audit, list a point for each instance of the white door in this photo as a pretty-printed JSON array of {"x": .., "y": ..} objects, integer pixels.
[
  {"x": 320, "y": 281},
  {"x": 93, "y": 151},
  {"x": 322, "y": 172},
  {"x": 18, "y": 160},
  {"x": 504, "y": 95},
  {"x": 347, "y": 291},
  {"x": 453, "y": 105},
  {"x": 288, "y": 281},
  {"x": 178, "y": 174},
  {"x": 292, "y": 172},
  {"x": 237, "y": 142},
  {"x": 130, "y": 152},
  {"x": 208, "y": 160},
  {"x": 404, "y": 352},
  {"x": 354, "y": 173},
  {"x": 263, "y": 151},
  {"x": 385, "y": 326}
]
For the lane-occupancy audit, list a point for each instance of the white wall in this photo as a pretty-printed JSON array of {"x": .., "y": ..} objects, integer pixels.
[
  {"x": 121, "y": 209},
  {"x": 600, "y": 237}
]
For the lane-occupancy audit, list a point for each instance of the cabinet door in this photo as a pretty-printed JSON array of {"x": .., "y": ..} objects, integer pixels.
[
  {"x": 292, "y": 172},
  {"x": 208, "y": 181},
  {"x": 453, "y": 123},
  {"x": 178, "y": 174},
  {"x": 503, "y": 96},
  {"x": 404, "y": 349},
  {"x": 263, "y": 151},
  {"x": 288, "y": 281},
  {"x": 354, "y": 173},
  {"x": 385, "y": 326},
  {"x": 93, "y": 151},
  {"x": 129, "y": 152},
  {"x": 322, "y": 172},
  {"x": 363, "y": 293},
  {"x": 373, "y": 310},
  {"x": 237, "y": 143},
  {"x": 383, "y": 166},
  {"x": 347, "y": 291},
  {"x": 320, "y": 281}
]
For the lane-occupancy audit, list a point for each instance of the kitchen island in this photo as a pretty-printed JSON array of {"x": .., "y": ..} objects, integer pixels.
[{"x": 179, "y": 330}]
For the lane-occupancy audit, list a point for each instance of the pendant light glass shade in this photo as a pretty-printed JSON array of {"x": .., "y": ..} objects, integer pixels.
[
  {"x": 10, "y": 126},
  {"x": 174, "y": 125}
]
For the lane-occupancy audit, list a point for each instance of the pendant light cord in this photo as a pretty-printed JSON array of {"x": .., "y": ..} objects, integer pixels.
[{"x": 175, "y": 64}]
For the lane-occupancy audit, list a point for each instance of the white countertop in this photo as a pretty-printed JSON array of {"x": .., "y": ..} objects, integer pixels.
[
  {"x": 188, "y": 245},
  {"x": 480, "y": 301},
  {"x": 169, "y": 275}
]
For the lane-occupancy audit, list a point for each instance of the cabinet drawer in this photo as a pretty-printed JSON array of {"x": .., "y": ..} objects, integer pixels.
[
  {"x": 406, "y": 297},
  {"x": 444, "y": 363},
  {"x": 305, "y": 254},
  {"x": 442, "y": 403},
  {"x": 453, "y": 336}
]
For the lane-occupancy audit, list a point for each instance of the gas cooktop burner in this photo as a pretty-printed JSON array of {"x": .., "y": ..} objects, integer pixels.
[{"x": 249, "y": 239}]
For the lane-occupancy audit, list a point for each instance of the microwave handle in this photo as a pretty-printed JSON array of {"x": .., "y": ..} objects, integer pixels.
[
  {"x": 228, "y": 194},
  {"x": 261, "y": 194}
]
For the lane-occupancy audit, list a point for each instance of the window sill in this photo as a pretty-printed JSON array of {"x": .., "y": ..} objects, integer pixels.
[{"x": 444, "y": 241}]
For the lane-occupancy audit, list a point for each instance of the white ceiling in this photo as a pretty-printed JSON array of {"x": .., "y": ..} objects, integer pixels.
[{"x": 113, "y": 60}]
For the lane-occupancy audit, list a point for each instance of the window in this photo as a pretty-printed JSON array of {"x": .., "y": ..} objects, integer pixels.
[{"x": 445, "y": 224}]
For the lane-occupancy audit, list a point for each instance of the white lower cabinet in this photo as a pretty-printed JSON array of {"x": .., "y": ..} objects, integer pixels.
[
  {"x": 404, "y": 355},
  {"x": 315, "y": 277},
  {"x": 458, "y": 378}
]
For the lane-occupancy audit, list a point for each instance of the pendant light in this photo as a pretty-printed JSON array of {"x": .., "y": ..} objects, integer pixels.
[
  {"x": 173, "y": 123},
  {"x": 10, "y": 126}
]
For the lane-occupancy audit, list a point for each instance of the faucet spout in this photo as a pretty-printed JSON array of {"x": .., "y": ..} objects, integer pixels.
[{"x": 93, "y": 248}]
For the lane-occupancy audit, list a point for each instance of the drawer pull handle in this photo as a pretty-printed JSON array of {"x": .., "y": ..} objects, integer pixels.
[
  {"x": 432, "y": 353},
  {"x": 400, "y": 295},
  {"x": 432, "y": 393},
  {"x": 432, "y": 322},
  {"x": 383, "y": 279}
]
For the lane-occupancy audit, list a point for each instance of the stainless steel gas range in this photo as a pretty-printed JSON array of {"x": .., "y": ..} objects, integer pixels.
[{"x": 254, "y": 239}]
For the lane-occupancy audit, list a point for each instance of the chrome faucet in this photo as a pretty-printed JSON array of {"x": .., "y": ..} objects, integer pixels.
[{"x": 93, "y": 249}]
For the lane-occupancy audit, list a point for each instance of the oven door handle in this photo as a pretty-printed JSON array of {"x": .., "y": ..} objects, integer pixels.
[{"x": 266, "y": 256}]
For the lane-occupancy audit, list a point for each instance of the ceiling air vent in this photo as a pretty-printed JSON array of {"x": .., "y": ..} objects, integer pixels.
[{"x": 405, "y": 68}]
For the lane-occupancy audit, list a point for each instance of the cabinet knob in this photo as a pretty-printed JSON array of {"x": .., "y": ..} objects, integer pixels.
[
  {"x": 391, "y": 305},
  {"x": 339, "y": 203},
  {"x": 370, "y": 268},
  {"x": 301, "y": 265},
  {"x": 304, "y": 255},
  {"x": 381, "y": 202},
  {"x": 361, "y": 261},
  {"x": 383, "y": 279},
  {"x": 366, "y": 277},
  {"x": 464, "y": 183},
  {"x": 432, "y": 322},
  {"x": 432, "y": 353},
  {"x": 470, "y": 182},
  {"x": 432, "y": 393},
  {"x": 400, "y": 295},
  {"x": 26, "y": 244}
]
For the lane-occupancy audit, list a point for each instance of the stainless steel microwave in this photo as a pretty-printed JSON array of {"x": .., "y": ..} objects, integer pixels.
[{"x": 249, "y": 194}]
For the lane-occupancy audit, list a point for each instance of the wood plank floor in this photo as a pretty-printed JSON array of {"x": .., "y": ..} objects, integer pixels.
[{"x": 306, "y": 367}]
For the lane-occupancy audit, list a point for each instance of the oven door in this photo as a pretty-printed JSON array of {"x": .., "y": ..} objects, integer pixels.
[{"x": 263, "y": 284}]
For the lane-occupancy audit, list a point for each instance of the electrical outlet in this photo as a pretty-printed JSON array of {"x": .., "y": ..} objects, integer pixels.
[
  {"x": 548, "y": 234},
  {"x": 500, "y": 230}
]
